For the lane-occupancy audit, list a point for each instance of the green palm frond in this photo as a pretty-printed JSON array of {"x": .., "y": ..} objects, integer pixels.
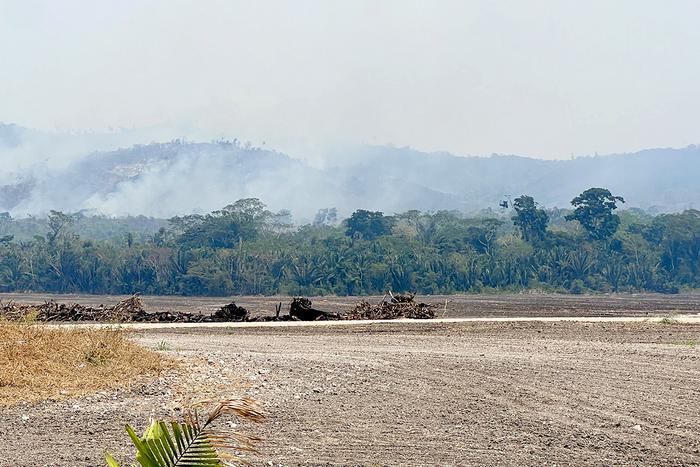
[{"x": 193, "y": 443}]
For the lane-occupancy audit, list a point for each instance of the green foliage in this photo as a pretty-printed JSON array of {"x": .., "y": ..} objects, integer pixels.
[
  {"x": 594, "y": 210},
  {"x": 531, "y": 222},
  {"x": 368, "y": 224},
  {"x": 577, "y": 287},
  {"x": 190, "y": 443},
  {"x": 692, "y": 343},
  {"x": 245, "y": 249},
  {"x": 162, "y": 346},
  {"x": 243, "y": 220}
]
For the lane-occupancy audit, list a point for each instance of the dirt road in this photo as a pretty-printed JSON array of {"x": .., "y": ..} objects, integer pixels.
[
  {"x": 205, "y": 327},
  {"x": 468, "y": 393}
]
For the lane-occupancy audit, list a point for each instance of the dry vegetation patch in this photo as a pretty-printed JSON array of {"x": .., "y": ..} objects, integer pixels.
[{"x": 38, "y": 363}]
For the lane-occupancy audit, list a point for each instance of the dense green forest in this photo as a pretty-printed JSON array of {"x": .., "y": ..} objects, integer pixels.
[{"x": 246, "y": 249}]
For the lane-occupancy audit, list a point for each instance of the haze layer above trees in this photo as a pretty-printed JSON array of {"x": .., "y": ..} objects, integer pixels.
[{"x": 41, "y": 172}]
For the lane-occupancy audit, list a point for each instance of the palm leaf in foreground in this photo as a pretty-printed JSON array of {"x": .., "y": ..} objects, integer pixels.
[{"x": 194, "y": 444}]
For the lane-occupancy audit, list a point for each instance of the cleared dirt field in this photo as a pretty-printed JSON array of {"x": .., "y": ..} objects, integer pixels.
[
  {"x": 494, "y": 393},
  {"x": 458, "y": 306}
]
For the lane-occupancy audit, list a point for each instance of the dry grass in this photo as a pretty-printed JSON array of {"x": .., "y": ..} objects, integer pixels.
[{"x": 38, "y": 363}]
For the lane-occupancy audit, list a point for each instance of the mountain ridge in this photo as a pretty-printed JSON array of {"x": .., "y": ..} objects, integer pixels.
[{"x": 178, "y": 177}]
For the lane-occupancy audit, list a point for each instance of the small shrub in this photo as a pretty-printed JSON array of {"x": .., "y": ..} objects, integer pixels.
[
  {"x": 692, "y": 343},
  {"x": 162, "y": 346},
  {"x": 577, "y": 287}
]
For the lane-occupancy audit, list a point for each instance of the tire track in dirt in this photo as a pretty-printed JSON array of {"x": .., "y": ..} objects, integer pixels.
[{"x": 531, "y": 400}]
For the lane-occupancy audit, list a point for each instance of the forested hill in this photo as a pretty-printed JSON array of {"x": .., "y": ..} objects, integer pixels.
[
  {"x": 656, "y": 179},
  {"x": 39, "y": 173}
]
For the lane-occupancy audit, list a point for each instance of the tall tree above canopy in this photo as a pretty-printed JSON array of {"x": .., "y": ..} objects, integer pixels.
[
  {"x": 59, "y": 225},
  {"x": 531, "y": 222},
  {"x": 594, "y": 210},
  {"x": 369, "y": 224},
  {"x": 242, "y": 220}
]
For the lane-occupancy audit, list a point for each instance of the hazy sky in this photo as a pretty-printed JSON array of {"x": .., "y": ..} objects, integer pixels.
[{"x": 539, "y": 78}]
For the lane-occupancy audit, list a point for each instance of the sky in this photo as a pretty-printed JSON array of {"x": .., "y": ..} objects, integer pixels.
[{"x": 540, "y": 78}]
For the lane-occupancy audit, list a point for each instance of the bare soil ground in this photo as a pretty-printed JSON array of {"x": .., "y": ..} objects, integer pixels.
[
  {"x": 493, "y": 393},
  {"x": 458, "y": 306}
]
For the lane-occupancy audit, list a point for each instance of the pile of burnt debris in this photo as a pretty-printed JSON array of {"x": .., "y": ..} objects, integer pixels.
[
  {"x": 300, "y": 309},
  {"x": 395, "y": 306},
  {"x": 132, "y": 310}
]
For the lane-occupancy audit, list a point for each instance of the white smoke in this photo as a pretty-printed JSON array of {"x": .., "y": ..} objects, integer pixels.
[{"x": 63, "y": 172}]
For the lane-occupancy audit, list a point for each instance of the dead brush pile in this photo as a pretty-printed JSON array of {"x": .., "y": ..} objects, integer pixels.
[
  {"x": 126, "y": 310},
  {"x": 129, "y": 310},
  {"x": 399, "y": 306},
  {"x": 37, "y": 363}
]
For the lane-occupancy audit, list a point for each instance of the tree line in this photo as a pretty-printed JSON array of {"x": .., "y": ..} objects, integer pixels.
[{"x": 245, "y": 248}]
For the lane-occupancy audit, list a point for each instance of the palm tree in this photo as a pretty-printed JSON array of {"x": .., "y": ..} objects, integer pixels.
[{"x": 194, "y": 443}]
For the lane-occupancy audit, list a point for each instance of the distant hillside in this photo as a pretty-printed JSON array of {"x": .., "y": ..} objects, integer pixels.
[
  {"x": 657, "y": 179},
  {"x": 173, "y": 178}
]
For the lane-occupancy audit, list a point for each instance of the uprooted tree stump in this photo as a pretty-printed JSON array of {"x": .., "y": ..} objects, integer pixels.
[
  {"x": 230, "y": 312},
  {"x": 301, "y": 309}
]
